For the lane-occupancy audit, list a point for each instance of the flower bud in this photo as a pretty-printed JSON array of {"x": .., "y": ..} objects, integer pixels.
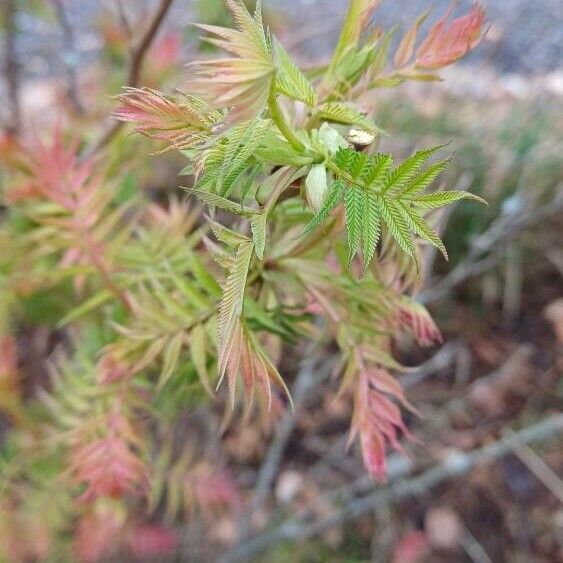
[{"x": 316, "y": 186}]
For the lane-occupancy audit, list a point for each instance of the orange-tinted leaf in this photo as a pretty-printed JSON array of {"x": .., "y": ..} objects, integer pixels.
[
  {"x": 445, "y": 43},
  {"x": 406, "y": 47}
]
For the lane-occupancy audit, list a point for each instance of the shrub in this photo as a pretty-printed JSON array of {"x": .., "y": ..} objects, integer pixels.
[{"x": 298, "y": 228}]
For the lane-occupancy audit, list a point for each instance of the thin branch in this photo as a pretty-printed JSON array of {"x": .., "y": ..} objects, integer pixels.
[
  {"x": 123, "y": 18},
  {"x": 540, "y": 469},
  {"x": 456, "y": 464},
  {"x": 69, "y": 67},
  {"x": 484, "y": 252},
  {"x": 138, "y": 51},
  {"x": 443, "y": 358},
  {"x": 141, "y": 48},
  {"x": 473, "y": 548},
  {"x": 11, "y": 67}
]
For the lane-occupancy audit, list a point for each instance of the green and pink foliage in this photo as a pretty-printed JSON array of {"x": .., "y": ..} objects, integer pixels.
[{"x": 299, "y": 228}]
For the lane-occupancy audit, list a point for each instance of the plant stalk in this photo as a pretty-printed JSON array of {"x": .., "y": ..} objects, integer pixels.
[{"x": 277, "y": 116}]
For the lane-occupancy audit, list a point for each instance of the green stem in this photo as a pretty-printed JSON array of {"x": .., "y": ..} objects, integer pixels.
[
  {"x": 342, "y": 174},
  {"x": 279, "y": 119}
]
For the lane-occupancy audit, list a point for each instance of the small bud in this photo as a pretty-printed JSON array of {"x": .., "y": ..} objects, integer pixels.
[
  {"x": 331, "y": 139},
  {"x": 316, "y": 185}
]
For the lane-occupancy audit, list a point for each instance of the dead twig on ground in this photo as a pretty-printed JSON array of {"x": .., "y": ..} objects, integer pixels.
[
  {"x": 539, "y": 468},
  {"x": 455, "y": 464}
]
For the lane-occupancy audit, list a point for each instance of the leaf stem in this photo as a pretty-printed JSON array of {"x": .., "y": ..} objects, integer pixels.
[
  {"x": 279, "y": 119},
  {"x": 342, "y": 174}
]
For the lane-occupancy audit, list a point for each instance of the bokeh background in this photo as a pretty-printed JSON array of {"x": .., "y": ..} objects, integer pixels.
[{"x": 499, "y": 300}]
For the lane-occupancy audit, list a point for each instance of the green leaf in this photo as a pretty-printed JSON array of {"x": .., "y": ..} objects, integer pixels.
[
  {"x": 422, "y": 180},
  {"x": 371, "y": 227},
  {"x": 333, "y": 198},
  {"x": 199, "y": 355},
  {"x": 227, "y": 160},
  {"x": 439, "y": 199},
  {"x": 377, "y": 171},
  {"x": 340, "y": 112},
  {"x": 230, "y": 308},
  {"x": 353, "y": 205},
  {"x": 290, "y": 81},
  {"x": 221, "y": 202},
  {"x": 397, "y": 226},
  {"x": 421, "y": 227},
  {"x": 275, "y": 150},
  {"x": 389, "y": 196},
  {"x": 239, "y": 151},
  {"x": 225, "y": 235},
  {"x": 171, "y": 356},
  {"x": 344, "y": 158},
  {"x": 258, "y": 228},
  {"x": 407, "y": 170}
]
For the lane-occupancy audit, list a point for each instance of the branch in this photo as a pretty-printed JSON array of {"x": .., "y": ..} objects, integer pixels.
[
  {"x": 504, "y": 228},
  {"x": 443, "y": 358},
  {"x": 457, "y": 463},
  {"x": 11, "y": 67},
  {"x": 70, "y": 70},
  {"x": 136, "y": 59}
]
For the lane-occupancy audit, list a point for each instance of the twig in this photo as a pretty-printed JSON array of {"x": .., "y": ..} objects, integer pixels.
[
  {"x": 539, "y": 468},
  {"x": 502, "y": 229},
  {"x": 473, "y": 548},
  {"x": 69, "y": 67},
  {"x": 123, "y": 18},
  {"x": 513, "y": 280},
  {"x": 136, "y": 58},
  {"x": 11, "y": 68},
  {"x": 310, "y": 372},
  {"x": 440, "y": 360},
  {"x": 456, "y": 464}
]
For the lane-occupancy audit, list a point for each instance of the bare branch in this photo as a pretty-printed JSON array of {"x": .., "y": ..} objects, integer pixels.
[
  {"x": 123, "y": 18},
  {"x": 70, "y": 70},
  {"x": 11, "y": 67},
  {"x": 141, "y": 47},
  {"x": 484, "y": 254},
  {"x": 138, "y": 51},
  {"x": 540, "y": 469}
]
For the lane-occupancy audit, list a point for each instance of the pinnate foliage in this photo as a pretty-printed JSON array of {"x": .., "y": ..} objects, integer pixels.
[
  {"x": 377, "y": 195},
  {"x": 384, "y": 202},
  {"x": 298, "y": 227}
]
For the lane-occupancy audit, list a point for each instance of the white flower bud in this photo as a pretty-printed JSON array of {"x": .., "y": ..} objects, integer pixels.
[{"x": 316, "y": 186}]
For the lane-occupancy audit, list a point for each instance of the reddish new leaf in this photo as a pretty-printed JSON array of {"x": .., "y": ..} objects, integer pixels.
[{"x": 448, "y": 42}]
